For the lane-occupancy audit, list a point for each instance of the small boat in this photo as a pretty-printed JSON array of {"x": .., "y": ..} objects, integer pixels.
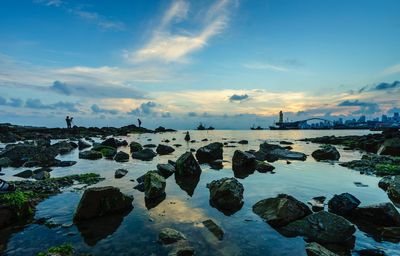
[{"x": 256, "y": 128}]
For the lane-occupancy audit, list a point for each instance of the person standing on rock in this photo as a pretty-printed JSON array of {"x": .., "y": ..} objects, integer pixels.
[
  {"x": 68, "y": 120},
  {"x": 187, "y": 136},
  {"x": 139, "y": 122}
]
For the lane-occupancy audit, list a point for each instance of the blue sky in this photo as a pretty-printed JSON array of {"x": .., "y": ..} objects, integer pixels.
[{"x": 227, "y": 63}]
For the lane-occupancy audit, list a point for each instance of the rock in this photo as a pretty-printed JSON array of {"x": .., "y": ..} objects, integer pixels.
[
  {"x": 120, "y": 173},
  {"x": 315, "y": 249},
  {"x": 385, "y": 182},
  {"x": 24, "y": 174},
  {"x": 214, "y": 228},
  {"x": 383, "y": 215},
  {"x": 186, "y": 165},
  {"x": 326, "y": 152},
  {"x": 43, "y": 175},
  {"x": 264, "y": 167},
  {"x": 281, "y": 210},
  {"x": 106, "y": 151},
  {"x": 112, "y": 142},
  {"x": 393, "y": 190},
  {"x": 121, "y": 157},
  {"x": 164, "y": 149},
  {"x": 243, "y": 163},
  {"x": 82, "y": 144},
  {"x": 169, "y": 236},
  {"x": 22, "y": 153},
  {"x": 135, "y": 146},
  {"x": 146, "y": 154},
  {"x": 90, "y": 155},
  {"x": 154, "y": 185},
  {"x": 272, "y": 151},
  {"x": 390, "y": 234},
  {"x": 343, "y": 204},
  {"x": 139, "y": 187},
  {"x": 243, "y": 142},
  {"x": 165, "y": 170},
  {"x": 63, "y": 147},
  {"x": 181, "y": 248},
  {"x": 317, "y": 203},
  {"x": 282, "y": 142},
  {"x": 66, "y": 163},
  {"x": 43, "y": 169},
  {"x": 322, "y": 227},
  {"x": 217, "y": 164},
  {"x": 102, "y": 201},
  {"x": 209, "y": 153},
  {"x": 226, "y": 195},
  {"x": 5, "y": 161},
  {"x": 149, "y": 146},
  {"x": 390, "y": 147}
]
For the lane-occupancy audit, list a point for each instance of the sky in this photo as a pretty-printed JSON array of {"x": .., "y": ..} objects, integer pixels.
[{"x": 229, "y": 64}]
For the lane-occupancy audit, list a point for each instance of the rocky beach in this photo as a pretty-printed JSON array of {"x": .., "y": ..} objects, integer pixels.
[{"x": 104, "y": 190}]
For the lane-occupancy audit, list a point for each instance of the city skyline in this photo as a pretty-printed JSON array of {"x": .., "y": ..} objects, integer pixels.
[{"x": 229, "y": 64}]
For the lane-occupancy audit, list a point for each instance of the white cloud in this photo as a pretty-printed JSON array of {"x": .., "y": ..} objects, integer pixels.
[
  {"x": 168, "y": 46},
  {"x": 265, "y": 66},
  {"x": 392, "y": 70}
]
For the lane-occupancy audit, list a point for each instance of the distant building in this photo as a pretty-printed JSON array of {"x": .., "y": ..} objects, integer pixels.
[
  {"x": 362, "y": 119},
  {"x": 384, "y": 118}
]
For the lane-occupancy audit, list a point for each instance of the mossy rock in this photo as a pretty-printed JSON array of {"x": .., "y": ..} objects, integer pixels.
[
  {"x": 135, "y": 146},
  {"x": 62, "y": 250},
  {"x": 387, "y": 169}
]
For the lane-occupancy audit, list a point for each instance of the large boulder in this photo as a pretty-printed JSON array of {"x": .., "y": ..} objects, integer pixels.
[
  {"x": 102, "y": 201},
  {"x": 210, "y": 152},
  {"x": 146, "y": 154},
  {"x": 165, "y": 170},
  {"x": 164, "y": 149},
  {"x": 135, "y": 146},
  {"x": 343, "y": 204},
  {"x": 90, "y": 155},
  {"x": 243, "y": 162},
  {"x": 383, "y": 215},
  {"x": 106, "y": 151},
  {"x": 154, "y": 185},
  {"x": 326, "y": 152},
  {"x": 63, "y": 147},
  {"x": 322, "y": 227},
  {"x": 187, "y": 165},
  {"x": 390, "y": 147},
  {"x": 5, "y": 161},
  {"x": 24, "y": 174},
  {"x": 169, "y": 236},
  {"x": 226, "y": 195},
  {"x": 113, "y": 142},
  {"x": 281, "y": 210},
  {"x": 121, "y": 157}
]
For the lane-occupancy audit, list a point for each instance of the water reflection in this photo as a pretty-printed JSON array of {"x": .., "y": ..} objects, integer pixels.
[
  {"x": 153, "y": 202},
  {"x": 97, "y": 229},
  {"x": 187, "y": 183}
]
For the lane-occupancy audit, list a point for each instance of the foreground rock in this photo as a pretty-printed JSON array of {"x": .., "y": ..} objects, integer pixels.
[
  {"x": 186, "y": 165},
  {"x": 101, "y": 201},
  {"x": 165, "y": 170},
  {"x": 264, "y": 167},
  {"x": 18, "y": 207},
  {"x": 271, "y": 152},
  {"x": 120, "y": 173},
  {"x": 146, "y": 154},
  {"x": 281, "y": 210},
  {"x": 169, "y": 236},
  {"x": 18, "y": 154},
  {"x": 154, "y": 185},
  {"x": 375, "y": 164},
  {"x": 315, "y": 249},
  {"x": 390, "y": 147},
  {"x": 135, "y": 146},
  {"x": 164, "y": 149},
  {"x": 226, "y": 195},
  {"x": 90, "y": 155},
  {"x": 210, "y": 153},
  {"x": 243, "y": 164},
  {"x": 114, "y": 143},
  {"x": 121, "y": 157},
  {"x": 343, "y": 204},
  {"x": 322, "y": 227},
  {"x": 326, "y": 152},
  {"x": 382, "y": 215}
]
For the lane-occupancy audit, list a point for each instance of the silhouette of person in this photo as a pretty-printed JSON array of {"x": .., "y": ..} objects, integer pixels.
[
  {"x": 187, "y": 136},
  {"x": 139, "y": 122},
  {"x": 71, "y": 120},
  {"x": 68, "y": 120}
]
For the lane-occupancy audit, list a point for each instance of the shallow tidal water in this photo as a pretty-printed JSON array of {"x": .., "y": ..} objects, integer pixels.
[{"x": 136, "y": 232}]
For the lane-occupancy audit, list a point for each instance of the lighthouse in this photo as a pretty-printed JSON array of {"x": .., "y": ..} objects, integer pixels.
[{"x": 280, "y": 117}]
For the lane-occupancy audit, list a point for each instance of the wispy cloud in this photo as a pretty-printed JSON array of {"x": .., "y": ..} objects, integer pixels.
[
  {"x": 265, "y": 66},
  {"x": 56, "y": 3},
  {"x": 392, "y": 70},
  {"x": 238, "y": 98},
  {"x": 168, "y": 46}
]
